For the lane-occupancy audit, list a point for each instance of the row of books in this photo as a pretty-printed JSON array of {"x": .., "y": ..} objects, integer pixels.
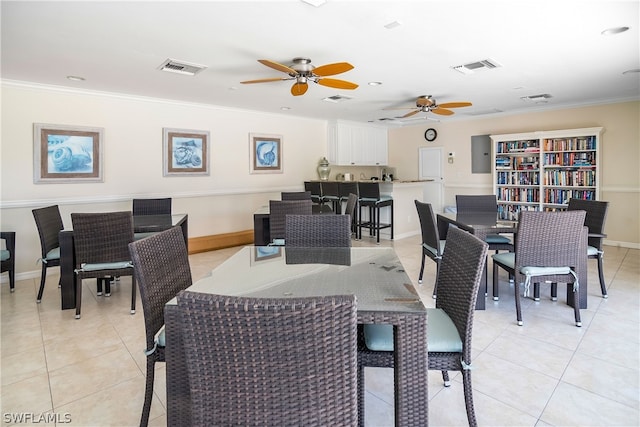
[
  {"x": 510, "y": 212},
  {"x": 566, "y": 144},
  {"x": 570, "y": 159},
  {"x": 518, "y": 178},
  {"x": 530, "y": 195},
  {"x": 561, "y": 197},
  {"x": 575, "y": 178},
  {"x": 517, "y": 146}
]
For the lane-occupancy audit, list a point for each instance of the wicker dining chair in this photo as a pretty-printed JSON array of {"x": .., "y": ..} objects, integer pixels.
[
  {"x": 152, "y": 206},
  {"x": 49, "y": 225},
  {"x": 594, "y": 220},
  {"x": 161, "y": 266},
  {"x": 484, "y": 203},
  {"x": 276, "y": 362},
  {"x": 332, "y": 231},
  {"x": 295, "y": 195},
  {"x": 278, "y": 209},
  {"x": 8, "y": 257},
  {"x": 432, "y": 245},
  {"x": 101, "y": 247},
  {"x": 450, "y": 324},
  {"x": 315, "y": 189},
  {"x": 547, "y": 249},
  {"x": 350, "y": 209}
]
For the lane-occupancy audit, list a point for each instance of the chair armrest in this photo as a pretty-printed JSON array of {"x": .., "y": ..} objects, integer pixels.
[{"x": 601, "y": 235}]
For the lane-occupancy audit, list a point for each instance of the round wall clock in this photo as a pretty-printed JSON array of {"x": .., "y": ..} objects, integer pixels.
[{"x": 430, "y": 134}]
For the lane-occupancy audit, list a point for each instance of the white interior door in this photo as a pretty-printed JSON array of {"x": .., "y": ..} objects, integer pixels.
[{"x": 430, "y": 167}]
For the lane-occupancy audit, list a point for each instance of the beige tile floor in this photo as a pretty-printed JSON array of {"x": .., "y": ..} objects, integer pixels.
[{"x": 545, "y": 373}]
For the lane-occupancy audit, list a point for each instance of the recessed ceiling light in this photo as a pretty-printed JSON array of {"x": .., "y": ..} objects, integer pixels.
[
  {"x": 392, "y": 25},
  {"x": 614, "y": 30},
  {"x": 374, "y": 83},
  {"x": 76, "y": 78},
  {"x": 635, "y": 70},
  {"x": 285, "y": 108}
]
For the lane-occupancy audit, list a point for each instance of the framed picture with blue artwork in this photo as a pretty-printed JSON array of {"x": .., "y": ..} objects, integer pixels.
[
  {"x": 266, "y": 153},
  {"x": 67, "y": 154},
  {"x": 186, "y": 152}
]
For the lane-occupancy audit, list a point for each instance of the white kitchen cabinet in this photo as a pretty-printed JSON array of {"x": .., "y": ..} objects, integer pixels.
[{"x": 354, "y": 144}]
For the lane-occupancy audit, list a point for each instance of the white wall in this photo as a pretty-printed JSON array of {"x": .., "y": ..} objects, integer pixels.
[{"x": 219, "y": 203}]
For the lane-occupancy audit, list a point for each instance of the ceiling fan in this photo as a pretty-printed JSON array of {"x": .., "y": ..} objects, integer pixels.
[
  {"x": 426, "y": 104},
  {"x": 302, "y": 72}
]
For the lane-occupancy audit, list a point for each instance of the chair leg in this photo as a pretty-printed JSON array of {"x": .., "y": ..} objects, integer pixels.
[
  {"x": 468, "y": 398},
  {"x": 445, "y": 378},
  {"x": 99, "y": 286},
  {"x": 576, "y": 305},
  {"x": 516, "y": 288},
  {"x": 603, "y": 285},
  {"x": 78, "y": 285},
  {"x": 12, "y": 280},
  {"x": 536, "y": 291},
  {"x": 361, "y": 393},
  {"x": 435, "y": 285},
  {"x": 133, "y": 294},
  {"x": 43, "y": 278},
  {"x": 148, "y": 391},
  {"x": 421, "y": 269},
  {"x": 391, "y": 221},
  {"x": 554, "y": 291}
]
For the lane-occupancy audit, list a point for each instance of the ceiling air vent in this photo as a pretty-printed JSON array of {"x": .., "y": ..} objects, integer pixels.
[
  {"x": 536, "y": 98},
  {"x": 337, "y": 98},
  {"x": 181, "y": 67},
  {"x": 470, "y": 68}
]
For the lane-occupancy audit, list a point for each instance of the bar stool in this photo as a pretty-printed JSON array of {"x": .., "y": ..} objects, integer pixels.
[
  {"x": 369, "y": 196},
  {"x": 344, "y": 189},
  {"x": 331, "y": 194}
]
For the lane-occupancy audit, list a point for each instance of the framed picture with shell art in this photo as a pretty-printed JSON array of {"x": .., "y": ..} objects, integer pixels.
[
  {"x": 185, "y": 152},
  {"x": 265, "y": 152},
  {"x": 67, "y": 154}
]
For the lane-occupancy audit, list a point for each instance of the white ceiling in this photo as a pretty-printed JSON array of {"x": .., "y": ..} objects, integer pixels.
[{"x": 544, "y": 47}]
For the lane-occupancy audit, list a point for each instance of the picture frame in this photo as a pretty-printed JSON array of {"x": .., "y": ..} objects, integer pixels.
[
  {"x": 185, "y": 152},
  {"x": 265, "y": 152},
  {"x": 67, "y": 154}
]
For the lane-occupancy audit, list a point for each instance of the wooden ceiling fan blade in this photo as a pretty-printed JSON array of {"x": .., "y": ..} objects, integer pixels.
[
  {"x": 276, "y": 79},
  {"x": 332, "y": 69},
  {"x": 279, "y": 67},
  {"x": 442, "y": 111},
  {"x": 455, "y": 104},
  {"x": 338, "y": 84},
  {"x": 424, "y": 102},
  {"x": 299, "y": 89},
  {"x": 411, "y": 113}
]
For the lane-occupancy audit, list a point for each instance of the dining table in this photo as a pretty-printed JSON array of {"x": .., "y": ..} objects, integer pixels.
[
  {"x": 482, "y": 224},
  {"x": 141, "y": 224},
  {"x": 384, "y": 294}
]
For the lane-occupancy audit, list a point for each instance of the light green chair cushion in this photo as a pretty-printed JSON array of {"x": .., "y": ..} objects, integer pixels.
[
  {"x": 106, "y": 266},
  {"x": 53, "y": 254},
  {"x": 505, "y": 258},
  {"x": 496, "y": 238},
  {"x": 592, "y": 251},
  {"x": 4, "y": 255},
  {"x": 433, "y": 250},
  {"x": 442, "y": 335}
]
